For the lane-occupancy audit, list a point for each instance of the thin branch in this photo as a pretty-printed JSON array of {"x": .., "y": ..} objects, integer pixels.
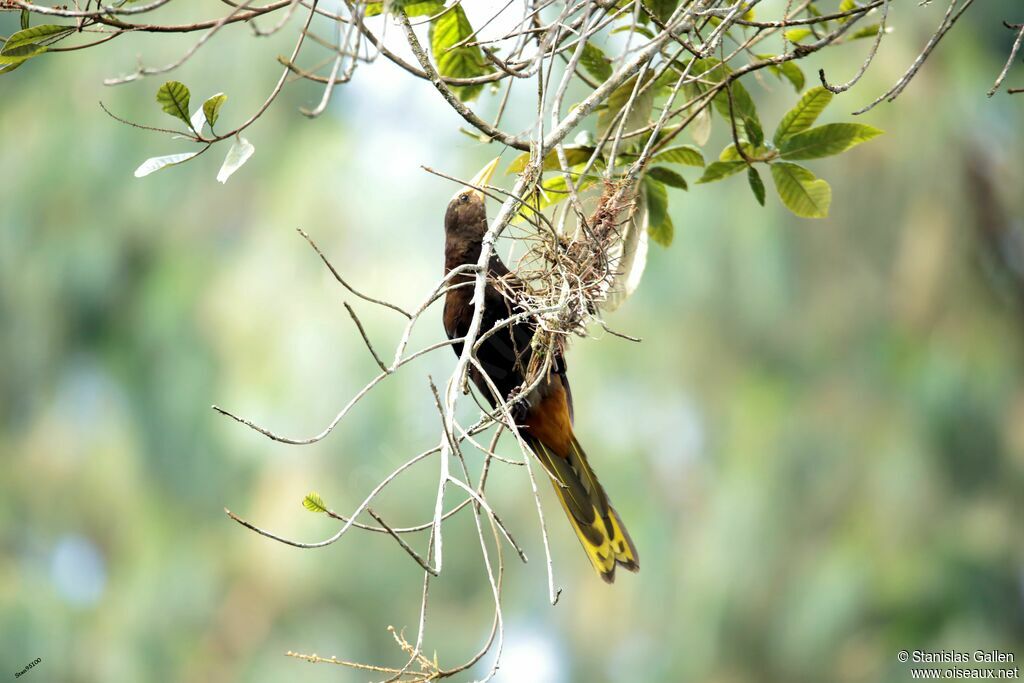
[{"x": 1009, "y": 61}]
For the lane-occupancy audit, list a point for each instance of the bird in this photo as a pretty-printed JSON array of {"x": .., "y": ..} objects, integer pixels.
[{"x": 544, "y": 417}]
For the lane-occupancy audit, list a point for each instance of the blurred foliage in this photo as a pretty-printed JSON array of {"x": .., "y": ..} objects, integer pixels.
[{"x": 823, "y": 461}]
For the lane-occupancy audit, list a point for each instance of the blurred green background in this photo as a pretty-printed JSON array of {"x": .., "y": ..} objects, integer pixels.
[{"x": 818, "y": 448}]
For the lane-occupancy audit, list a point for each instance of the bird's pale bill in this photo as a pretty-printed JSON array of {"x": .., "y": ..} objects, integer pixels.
[{"x": 482, "y": 179}]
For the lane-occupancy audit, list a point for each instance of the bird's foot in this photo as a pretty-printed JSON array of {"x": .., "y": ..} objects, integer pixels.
[{"x": 517, "y": 407}]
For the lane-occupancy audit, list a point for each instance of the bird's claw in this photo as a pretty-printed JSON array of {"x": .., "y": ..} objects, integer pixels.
[{"x": 517, "y": 407}]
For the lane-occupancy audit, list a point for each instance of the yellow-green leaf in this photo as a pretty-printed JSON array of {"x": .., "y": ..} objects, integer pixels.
[
  {"x": 8, "y": 66},
  {"x": 721, "y": 169},
  {"x": 412, "y": 8},
  {"x": 824, "y": 141},
  {"x": 793, "y": 74},
  {"x": 421, "y": 8},
  {"x": 846, "y": 6},
  {"x": 573, "y": 154},
  {"x": 314, "y": 503},
  {"x": 869, "y": 31},
  {"x": 554, "y": 190},
  {"x": 730, "y": 153},
  {"x": 688, "y": 155},
  {"x": 802, "y": 193},
  {"x": 788, "y": 70},
  {"x": 804, "y": 114},
  {"x": 211, "y": 107},
  {"x": 795, "y": 35},
  {"x": 20, "y": 54}
]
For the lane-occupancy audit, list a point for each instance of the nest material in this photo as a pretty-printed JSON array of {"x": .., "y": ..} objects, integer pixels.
[{"x": 568, "y": 279}]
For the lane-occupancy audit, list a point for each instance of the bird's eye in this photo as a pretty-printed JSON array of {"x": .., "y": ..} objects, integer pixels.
[{"x": 463, "y": 197}]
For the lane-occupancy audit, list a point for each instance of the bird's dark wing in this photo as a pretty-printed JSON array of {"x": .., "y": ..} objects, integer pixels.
[{"x": 505, "y": 354}]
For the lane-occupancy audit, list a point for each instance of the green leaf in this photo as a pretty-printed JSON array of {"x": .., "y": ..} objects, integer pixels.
[
  {"x": 804, "y": 114},
  {"x": 666, "y": 81},
  {"x": 446, "y": 31},
  {"x": 802, "y": 193},
  {"x": 314, "y": 503},
  {"x": 639, "y": 114},
  {"x": 595, "y": 62},
  {"x": 721, "y": 169},
  {"x": 25, "y": 19},
  {"x": 573, "y": 155},
  {"x": 795, "y": 35},
  {"x": 792, "y": 72},
  {"x": 688, "y": 155},
  {"x": 554, "y": 190},
  {"x": 422, "y": 8},
  {"x": 847, "y": 5},
  {"x": 412, "y": 8},
  {"x": 34, "y": 39},
  {"x": 700, "y": 127},
  {"x": 645, "y": 32},
  {"x": 668, "y": 177},
  {"x": 659, "y": 225},
  {"x": 714, "y": 71},
  {"x": 155, "y": 164},
  {"x": 30, "y": 42},
  {"x": 173, "y": 98},
  {"x": 754, "y": 133},
  {"x": 730, "y": 153},
  {"x": 788, "y": 70},
  {"x": 756, "y": 184},
  {"x": 17, "y": 56},
  {"x": 211, "y": 107},
  {"x": 827, "y": 140},
  {"x": 661, "y": 9},
  {"x": 869, "y": 31},
  {"x": 239, "y": 153},
  {"x": 742, "y": 103}
]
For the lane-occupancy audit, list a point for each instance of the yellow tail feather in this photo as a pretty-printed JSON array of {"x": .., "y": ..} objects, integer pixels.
[{"x": 597, "y": 525}]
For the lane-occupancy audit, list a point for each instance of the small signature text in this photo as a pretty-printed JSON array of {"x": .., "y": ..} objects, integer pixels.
[{"x": 28, "y": 666}]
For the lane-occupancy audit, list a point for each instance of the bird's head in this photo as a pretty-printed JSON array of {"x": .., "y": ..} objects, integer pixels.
[{"x": 466, "y": 217}]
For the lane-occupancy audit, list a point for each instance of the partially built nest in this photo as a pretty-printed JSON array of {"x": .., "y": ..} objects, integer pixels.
[{"x": 568, "y": 278}]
